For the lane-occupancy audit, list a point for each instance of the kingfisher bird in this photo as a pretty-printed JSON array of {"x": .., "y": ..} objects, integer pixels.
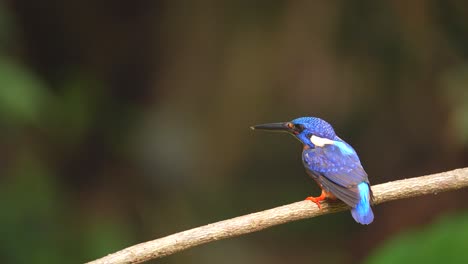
[{"x": 332, "y": 163}]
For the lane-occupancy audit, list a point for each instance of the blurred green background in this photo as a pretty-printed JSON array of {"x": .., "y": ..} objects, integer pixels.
[{"x": 124, "y": 121}]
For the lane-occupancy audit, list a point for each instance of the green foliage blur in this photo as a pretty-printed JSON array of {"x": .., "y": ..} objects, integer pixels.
[
  {"x": 441, "y": 242},
  {"x": 124, "y": 121}
]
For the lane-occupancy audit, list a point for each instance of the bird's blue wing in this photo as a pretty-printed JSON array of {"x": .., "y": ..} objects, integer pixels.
[
  {"x": 339, "y": 167},
  {"x": 337, "y": 171}
]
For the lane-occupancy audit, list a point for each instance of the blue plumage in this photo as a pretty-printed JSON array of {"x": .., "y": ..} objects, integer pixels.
[
  {"x": 362, "y": 213},
  {"x": 332, "y": 163}
]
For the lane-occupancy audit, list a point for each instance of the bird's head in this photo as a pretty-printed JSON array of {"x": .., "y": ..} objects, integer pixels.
[{"x": 310, "y": 131}]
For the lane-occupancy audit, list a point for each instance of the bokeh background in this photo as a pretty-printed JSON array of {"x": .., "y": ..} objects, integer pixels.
[{"x": 124, "y": 121}]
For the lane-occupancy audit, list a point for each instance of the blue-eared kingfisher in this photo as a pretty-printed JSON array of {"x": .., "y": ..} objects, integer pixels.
[{"x": 332, "y": 163}]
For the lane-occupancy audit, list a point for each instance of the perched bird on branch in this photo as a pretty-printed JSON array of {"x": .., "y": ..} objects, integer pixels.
[{"x": 332, "y": 163}]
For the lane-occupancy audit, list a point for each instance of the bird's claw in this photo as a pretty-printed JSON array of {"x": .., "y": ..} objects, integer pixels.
[{"x": 316, "y": 200}]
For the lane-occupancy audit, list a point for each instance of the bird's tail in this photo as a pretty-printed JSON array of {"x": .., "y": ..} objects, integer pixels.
[{"x": 362, "y": 213}]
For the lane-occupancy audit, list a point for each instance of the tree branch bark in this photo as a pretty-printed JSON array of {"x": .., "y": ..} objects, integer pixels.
[{"x": 401, "y": 189}]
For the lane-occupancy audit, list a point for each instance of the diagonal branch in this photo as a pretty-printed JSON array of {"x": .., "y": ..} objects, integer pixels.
[{"x": 430, "y": 184}]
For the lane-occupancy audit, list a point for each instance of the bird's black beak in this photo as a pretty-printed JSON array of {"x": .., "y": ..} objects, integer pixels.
[{"x": 284, "y": 126}]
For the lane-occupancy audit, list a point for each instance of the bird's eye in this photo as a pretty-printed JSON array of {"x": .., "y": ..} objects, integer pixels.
[{"x": 290, "y": 125}]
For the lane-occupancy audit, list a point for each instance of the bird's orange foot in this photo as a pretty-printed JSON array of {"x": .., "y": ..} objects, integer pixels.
[{"x": 318, "y": 199}]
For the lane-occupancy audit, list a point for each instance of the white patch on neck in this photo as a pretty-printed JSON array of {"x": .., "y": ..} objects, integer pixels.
[{"x": 320, "y": 142}]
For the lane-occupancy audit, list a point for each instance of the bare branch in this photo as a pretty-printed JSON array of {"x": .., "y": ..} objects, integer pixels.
[{"x": 431, "y": 184}]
